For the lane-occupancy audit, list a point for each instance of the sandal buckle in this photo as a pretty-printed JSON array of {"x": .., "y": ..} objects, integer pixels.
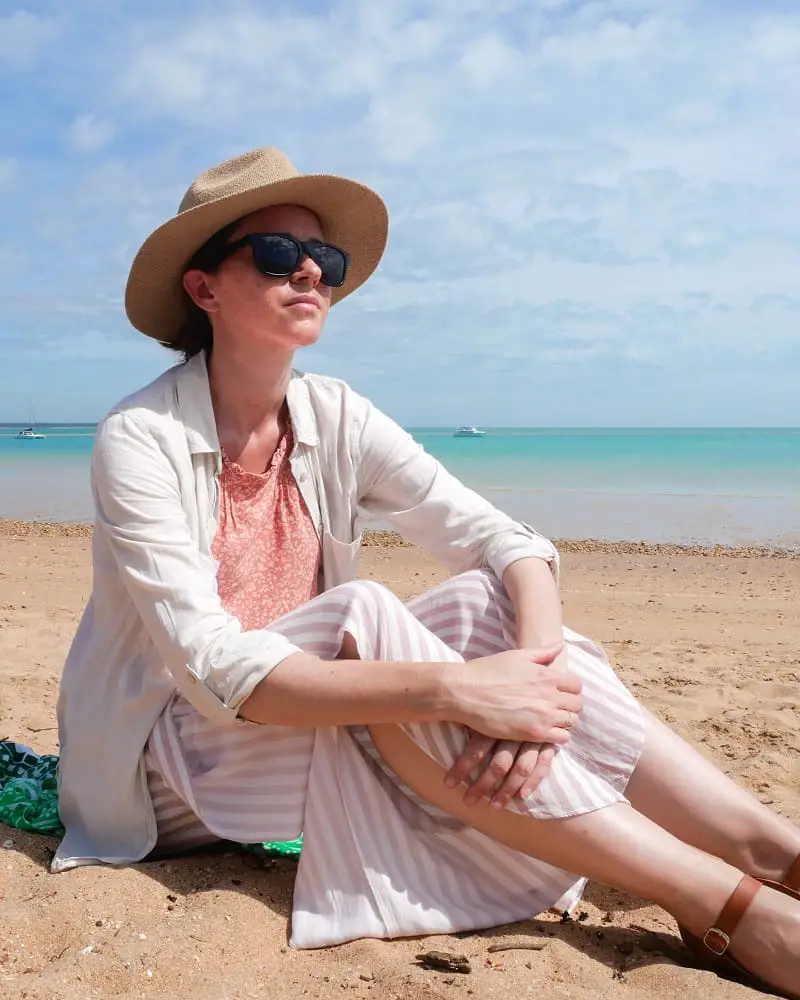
[{"x": 717, "y": 941}]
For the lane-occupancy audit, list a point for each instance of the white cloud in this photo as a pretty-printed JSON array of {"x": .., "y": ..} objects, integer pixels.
[
  {"x": 697, "y": 113},
  {"x": 776, "y": 40},
  {"x": 609, "y": 42},
  {"x": 401, "y": 128},
  {"x": 88, "y": 134},
  {"x": 22, "y": 37},
  {"x": 489, "y": 60},
  {"x": 223, "y": 64}
]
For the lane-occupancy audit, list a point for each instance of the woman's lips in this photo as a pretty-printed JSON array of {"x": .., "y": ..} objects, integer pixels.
[{"x": 304, "y": 300}]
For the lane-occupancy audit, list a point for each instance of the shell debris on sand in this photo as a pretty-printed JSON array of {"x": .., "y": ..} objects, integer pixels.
[{"x": 392, "y": 540}]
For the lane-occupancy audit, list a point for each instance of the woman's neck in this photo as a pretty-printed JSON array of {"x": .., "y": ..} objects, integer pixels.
[{"x": 248, "y": 396}]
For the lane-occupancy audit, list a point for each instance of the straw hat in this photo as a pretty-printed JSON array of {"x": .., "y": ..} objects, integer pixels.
[{"x": 352, "y": 216}]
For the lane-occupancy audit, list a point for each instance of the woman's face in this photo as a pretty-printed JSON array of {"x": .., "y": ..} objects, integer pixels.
[{"x": 249, "y": 309}]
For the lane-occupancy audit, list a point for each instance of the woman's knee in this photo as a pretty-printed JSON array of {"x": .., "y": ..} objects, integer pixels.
[
  {"x": 483, "y": 579},
  {"x": 366, "y": 601},
  {"x": 368, "y": 595},
  {"x": 481, "y": 590}
]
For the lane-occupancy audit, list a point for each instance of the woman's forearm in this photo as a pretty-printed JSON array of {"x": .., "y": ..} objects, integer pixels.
[
  {"x": 533, "y": 591},
  {"x": 305, "y": 691}
]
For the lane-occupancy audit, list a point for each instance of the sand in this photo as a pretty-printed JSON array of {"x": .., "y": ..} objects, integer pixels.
[{"x": 708, "y": 639}]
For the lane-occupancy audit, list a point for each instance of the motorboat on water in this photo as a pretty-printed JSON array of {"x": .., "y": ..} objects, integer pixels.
[{"x": 469, "y": 432}]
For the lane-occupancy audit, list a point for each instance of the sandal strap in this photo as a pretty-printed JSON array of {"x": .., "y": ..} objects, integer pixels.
[
  {"x": 717, "y": 939},
  {"x": 792, "y": 877}
]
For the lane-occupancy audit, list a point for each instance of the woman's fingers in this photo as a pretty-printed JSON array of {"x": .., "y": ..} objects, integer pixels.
[
  {"x": 511, "y": 769},
  {"x": 476, "y": 751},
  {"x": 558, "y": 736},
  {"x": 567, "y": 720},
  {"x": 544, "y": 762},
  {"x": 546, "y": 654},
  {"x": 569, "y": 683},
  {"x": 520, "y": 774},
  {"x": 498, "y": 766}
]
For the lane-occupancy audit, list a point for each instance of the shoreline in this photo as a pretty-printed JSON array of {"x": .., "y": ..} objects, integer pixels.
[{"x": 20, "y": 528}]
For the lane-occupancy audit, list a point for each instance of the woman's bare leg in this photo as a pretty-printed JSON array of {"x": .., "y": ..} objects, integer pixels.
[
  {"x": 673, "y": 784},
  {"x": 685, "y": 793},
  {"x": 622, "y": 848},
  {"x": 617, "y": 845}
]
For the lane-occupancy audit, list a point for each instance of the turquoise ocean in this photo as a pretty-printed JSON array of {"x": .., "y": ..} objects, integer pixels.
[{"x": 729, "y": 486}]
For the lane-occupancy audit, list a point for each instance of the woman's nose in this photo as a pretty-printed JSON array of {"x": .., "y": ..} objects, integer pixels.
[{"x": 308, "y": 271}]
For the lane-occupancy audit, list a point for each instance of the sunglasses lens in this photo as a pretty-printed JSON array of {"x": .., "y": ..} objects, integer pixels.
[
  {"x": 332, "y": 262},
  {"x": 278, "y": 256},
  {"x": 275, "y": 255}
]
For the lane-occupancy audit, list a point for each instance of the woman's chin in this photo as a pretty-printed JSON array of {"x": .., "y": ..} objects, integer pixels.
[
  {"x": 304, "y": 334},
  {"x": 289, "y": 336}
]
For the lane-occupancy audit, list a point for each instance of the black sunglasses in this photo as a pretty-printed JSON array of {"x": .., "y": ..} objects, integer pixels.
[{"x": 278, "y": 255}]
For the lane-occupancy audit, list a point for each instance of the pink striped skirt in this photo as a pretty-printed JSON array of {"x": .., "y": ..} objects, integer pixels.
[{"x": 377, "y": 860}]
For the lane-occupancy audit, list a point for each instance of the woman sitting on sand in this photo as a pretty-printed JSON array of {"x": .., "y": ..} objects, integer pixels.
[{"x": 455, "y": 763}]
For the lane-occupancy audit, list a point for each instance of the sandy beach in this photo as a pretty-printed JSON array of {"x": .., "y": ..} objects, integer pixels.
[{"x": 708, "y": 639}]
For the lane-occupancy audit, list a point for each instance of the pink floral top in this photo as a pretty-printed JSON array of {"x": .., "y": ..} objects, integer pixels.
[{"x": 266, "y": 545}]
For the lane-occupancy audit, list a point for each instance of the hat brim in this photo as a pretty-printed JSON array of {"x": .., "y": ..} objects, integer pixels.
[{"x": 351, "y": 215}]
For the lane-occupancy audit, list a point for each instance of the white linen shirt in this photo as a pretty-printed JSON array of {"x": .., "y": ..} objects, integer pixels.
[{"x": 155, "y": 624}]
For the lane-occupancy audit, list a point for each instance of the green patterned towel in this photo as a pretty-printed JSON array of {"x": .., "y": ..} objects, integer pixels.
[
  {"x": 28, "y": 789},
  {"x": 29, "y": 796}
]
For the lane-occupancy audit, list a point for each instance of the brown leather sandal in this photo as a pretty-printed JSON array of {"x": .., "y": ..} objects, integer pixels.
[{"x": 713, "y": 947}]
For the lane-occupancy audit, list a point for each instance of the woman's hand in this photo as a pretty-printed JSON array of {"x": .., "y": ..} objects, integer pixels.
[
  {"x": 515, "y": 696},
  {"x": 510, "y": 769}
]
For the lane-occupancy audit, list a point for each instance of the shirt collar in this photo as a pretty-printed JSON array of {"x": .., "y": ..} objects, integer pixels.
[{"x": 197, "y": 413}]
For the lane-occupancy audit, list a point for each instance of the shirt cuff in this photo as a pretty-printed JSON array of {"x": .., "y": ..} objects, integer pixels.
[
  {"x": 525, "y": 543},
  {"x": 233, "y": 674}
]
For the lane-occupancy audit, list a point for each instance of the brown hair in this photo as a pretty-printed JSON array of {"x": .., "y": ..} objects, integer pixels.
[{"x": 196, "y": 333}]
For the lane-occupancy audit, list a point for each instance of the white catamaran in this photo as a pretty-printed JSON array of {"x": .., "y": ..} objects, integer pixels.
[{"x": 31, "y": 433}]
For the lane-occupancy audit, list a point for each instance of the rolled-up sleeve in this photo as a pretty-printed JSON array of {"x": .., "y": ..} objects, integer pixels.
[
  {"x": 141, "y": 522},
  {"x": 401, "y": 483}
]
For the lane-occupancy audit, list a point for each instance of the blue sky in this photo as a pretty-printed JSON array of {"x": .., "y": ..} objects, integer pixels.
[{"x": 595, "y": 206}]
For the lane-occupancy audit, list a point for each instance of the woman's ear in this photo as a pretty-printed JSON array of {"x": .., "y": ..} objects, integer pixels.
[{"x": 198, "y": 288}]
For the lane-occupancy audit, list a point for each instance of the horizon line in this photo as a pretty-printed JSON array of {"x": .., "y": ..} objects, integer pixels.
[{"x": 489, "y": 427}]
